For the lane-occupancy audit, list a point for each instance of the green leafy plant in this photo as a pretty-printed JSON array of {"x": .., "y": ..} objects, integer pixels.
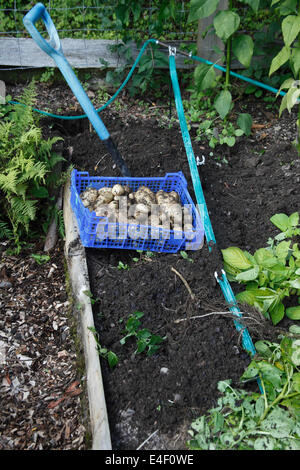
[
  {"x": 186, "y": 256},
  {"x": 110, "y": 356},
  {"x": 48, "y": 75},
  {"x": 272, "y": 273},
  {"x": 91, "y": 297},
  {"x": 144, "y": 338},
  {"x": 40, "y": 259},
  {"x": 269, "y": 420},
  {"x": 123, "y": 266},
  {"x": 26, "y": 167},
  {"x": 146, "y": 76},
  {"x": 289, "y": 54},
  {"x": 208, "y": 116},
  {"x": 225, "y": 25}
]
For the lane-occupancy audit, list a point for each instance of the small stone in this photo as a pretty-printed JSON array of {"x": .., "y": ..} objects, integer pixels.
[{"x": 164, "y": 370}]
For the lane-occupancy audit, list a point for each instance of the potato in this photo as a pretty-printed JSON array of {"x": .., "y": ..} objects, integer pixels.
[
  {"x": 114, "y": 205},
  {"x": 101, "y": 210},
  {"x": 141, "y": 212},
  {"x": 118, "y": 190},
  {"x": 161, "y": 197},
  {"x": 89, "y": 196},
  {"x": 144, "y": 195},
  {"x": 127, "y": 189},
  {"x": 105, "y": 196},
  {"x": 174, "y": 195}
]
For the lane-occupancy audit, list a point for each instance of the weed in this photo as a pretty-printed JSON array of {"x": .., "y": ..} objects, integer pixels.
[
  {"x": 110, "y": 356},
  {"x": 144, "y": 338}
]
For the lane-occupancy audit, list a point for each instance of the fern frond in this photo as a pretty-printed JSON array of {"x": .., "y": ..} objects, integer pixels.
[
  {"x": 8, "y": 182},
  {"x": 23, "y": 211},
  {"x": 33, "y": 170},
  {"x": 5, "y": 231},
  {"x": 59, "y": 218}
]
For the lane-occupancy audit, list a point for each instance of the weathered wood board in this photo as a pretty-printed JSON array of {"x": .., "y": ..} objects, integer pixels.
[{"x": 80, "y": 53}]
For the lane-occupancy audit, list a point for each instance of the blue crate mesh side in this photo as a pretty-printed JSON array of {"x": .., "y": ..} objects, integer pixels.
[
  {"x": 170, "y": 182},
  {"x": 88, "y": 221}
]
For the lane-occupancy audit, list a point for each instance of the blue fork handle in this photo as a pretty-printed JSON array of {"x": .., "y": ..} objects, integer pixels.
[{"x": 53, "y": 49}]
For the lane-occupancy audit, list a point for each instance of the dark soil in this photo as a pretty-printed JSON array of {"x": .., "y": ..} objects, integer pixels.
[
  {"x": 158, "y": 396},
  {"x": 163, "y": 393}
]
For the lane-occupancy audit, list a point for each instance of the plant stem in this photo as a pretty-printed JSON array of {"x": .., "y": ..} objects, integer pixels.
[
  {"x": 228, "y": 53},
  {"x": 228, "y": 63}
]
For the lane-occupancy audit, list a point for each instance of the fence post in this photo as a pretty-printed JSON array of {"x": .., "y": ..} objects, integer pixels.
[{"x": 205, "y": 46}]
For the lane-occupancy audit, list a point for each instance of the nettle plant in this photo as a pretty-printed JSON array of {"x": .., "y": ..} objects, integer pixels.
[
  {"x": 272, "y": 274},
  {"x": 289, "y": 54},
  {"x": 269, "y": 420},
  {"x": 225, "y": 25}
]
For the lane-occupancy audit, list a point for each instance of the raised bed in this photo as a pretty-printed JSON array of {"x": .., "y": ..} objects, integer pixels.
[{"x": 158, "y": 396}]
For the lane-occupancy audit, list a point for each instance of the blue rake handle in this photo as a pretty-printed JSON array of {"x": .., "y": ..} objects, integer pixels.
[{"x": 54, "y": 50}]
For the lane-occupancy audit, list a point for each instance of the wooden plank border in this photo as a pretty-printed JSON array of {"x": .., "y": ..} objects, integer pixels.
[{"x": 80, "y": 53}]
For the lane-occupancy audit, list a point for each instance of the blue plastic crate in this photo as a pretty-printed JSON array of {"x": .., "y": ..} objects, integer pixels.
[{"x": 97, "y": 232}]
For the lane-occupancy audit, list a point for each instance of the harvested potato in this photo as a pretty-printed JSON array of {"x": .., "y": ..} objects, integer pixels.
[
  {"x": 105, "y": 195},
  {"x": 144, "y": 195},
  {"x": 141, "y": 212},
  {"x": 118, "y": 190},
  {"x": 174, "y": 195},
  {"x": 89, "y": 196},
  {"x": 119, "y": 202}
]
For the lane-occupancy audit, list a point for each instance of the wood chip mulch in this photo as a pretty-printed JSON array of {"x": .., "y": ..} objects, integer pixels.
[{"x": 41, "y": 384}]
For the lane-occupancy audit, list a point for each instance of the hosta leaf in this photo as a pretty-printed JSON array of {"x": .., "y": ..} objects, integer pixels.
[
  {"x": 235, "y": 257},
  {"x": 242, "y": 47},
  {"x": 226, "y": 23}
]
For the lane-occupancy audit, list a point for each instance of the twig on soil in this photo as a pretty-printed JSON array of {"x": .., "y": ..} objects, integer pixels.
[
  {"x": 184, "y": 282},
  {"x": 235, "y": 317},
  {"x": 146, "y": 440},
  {"x": 98, "y": 163}
]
